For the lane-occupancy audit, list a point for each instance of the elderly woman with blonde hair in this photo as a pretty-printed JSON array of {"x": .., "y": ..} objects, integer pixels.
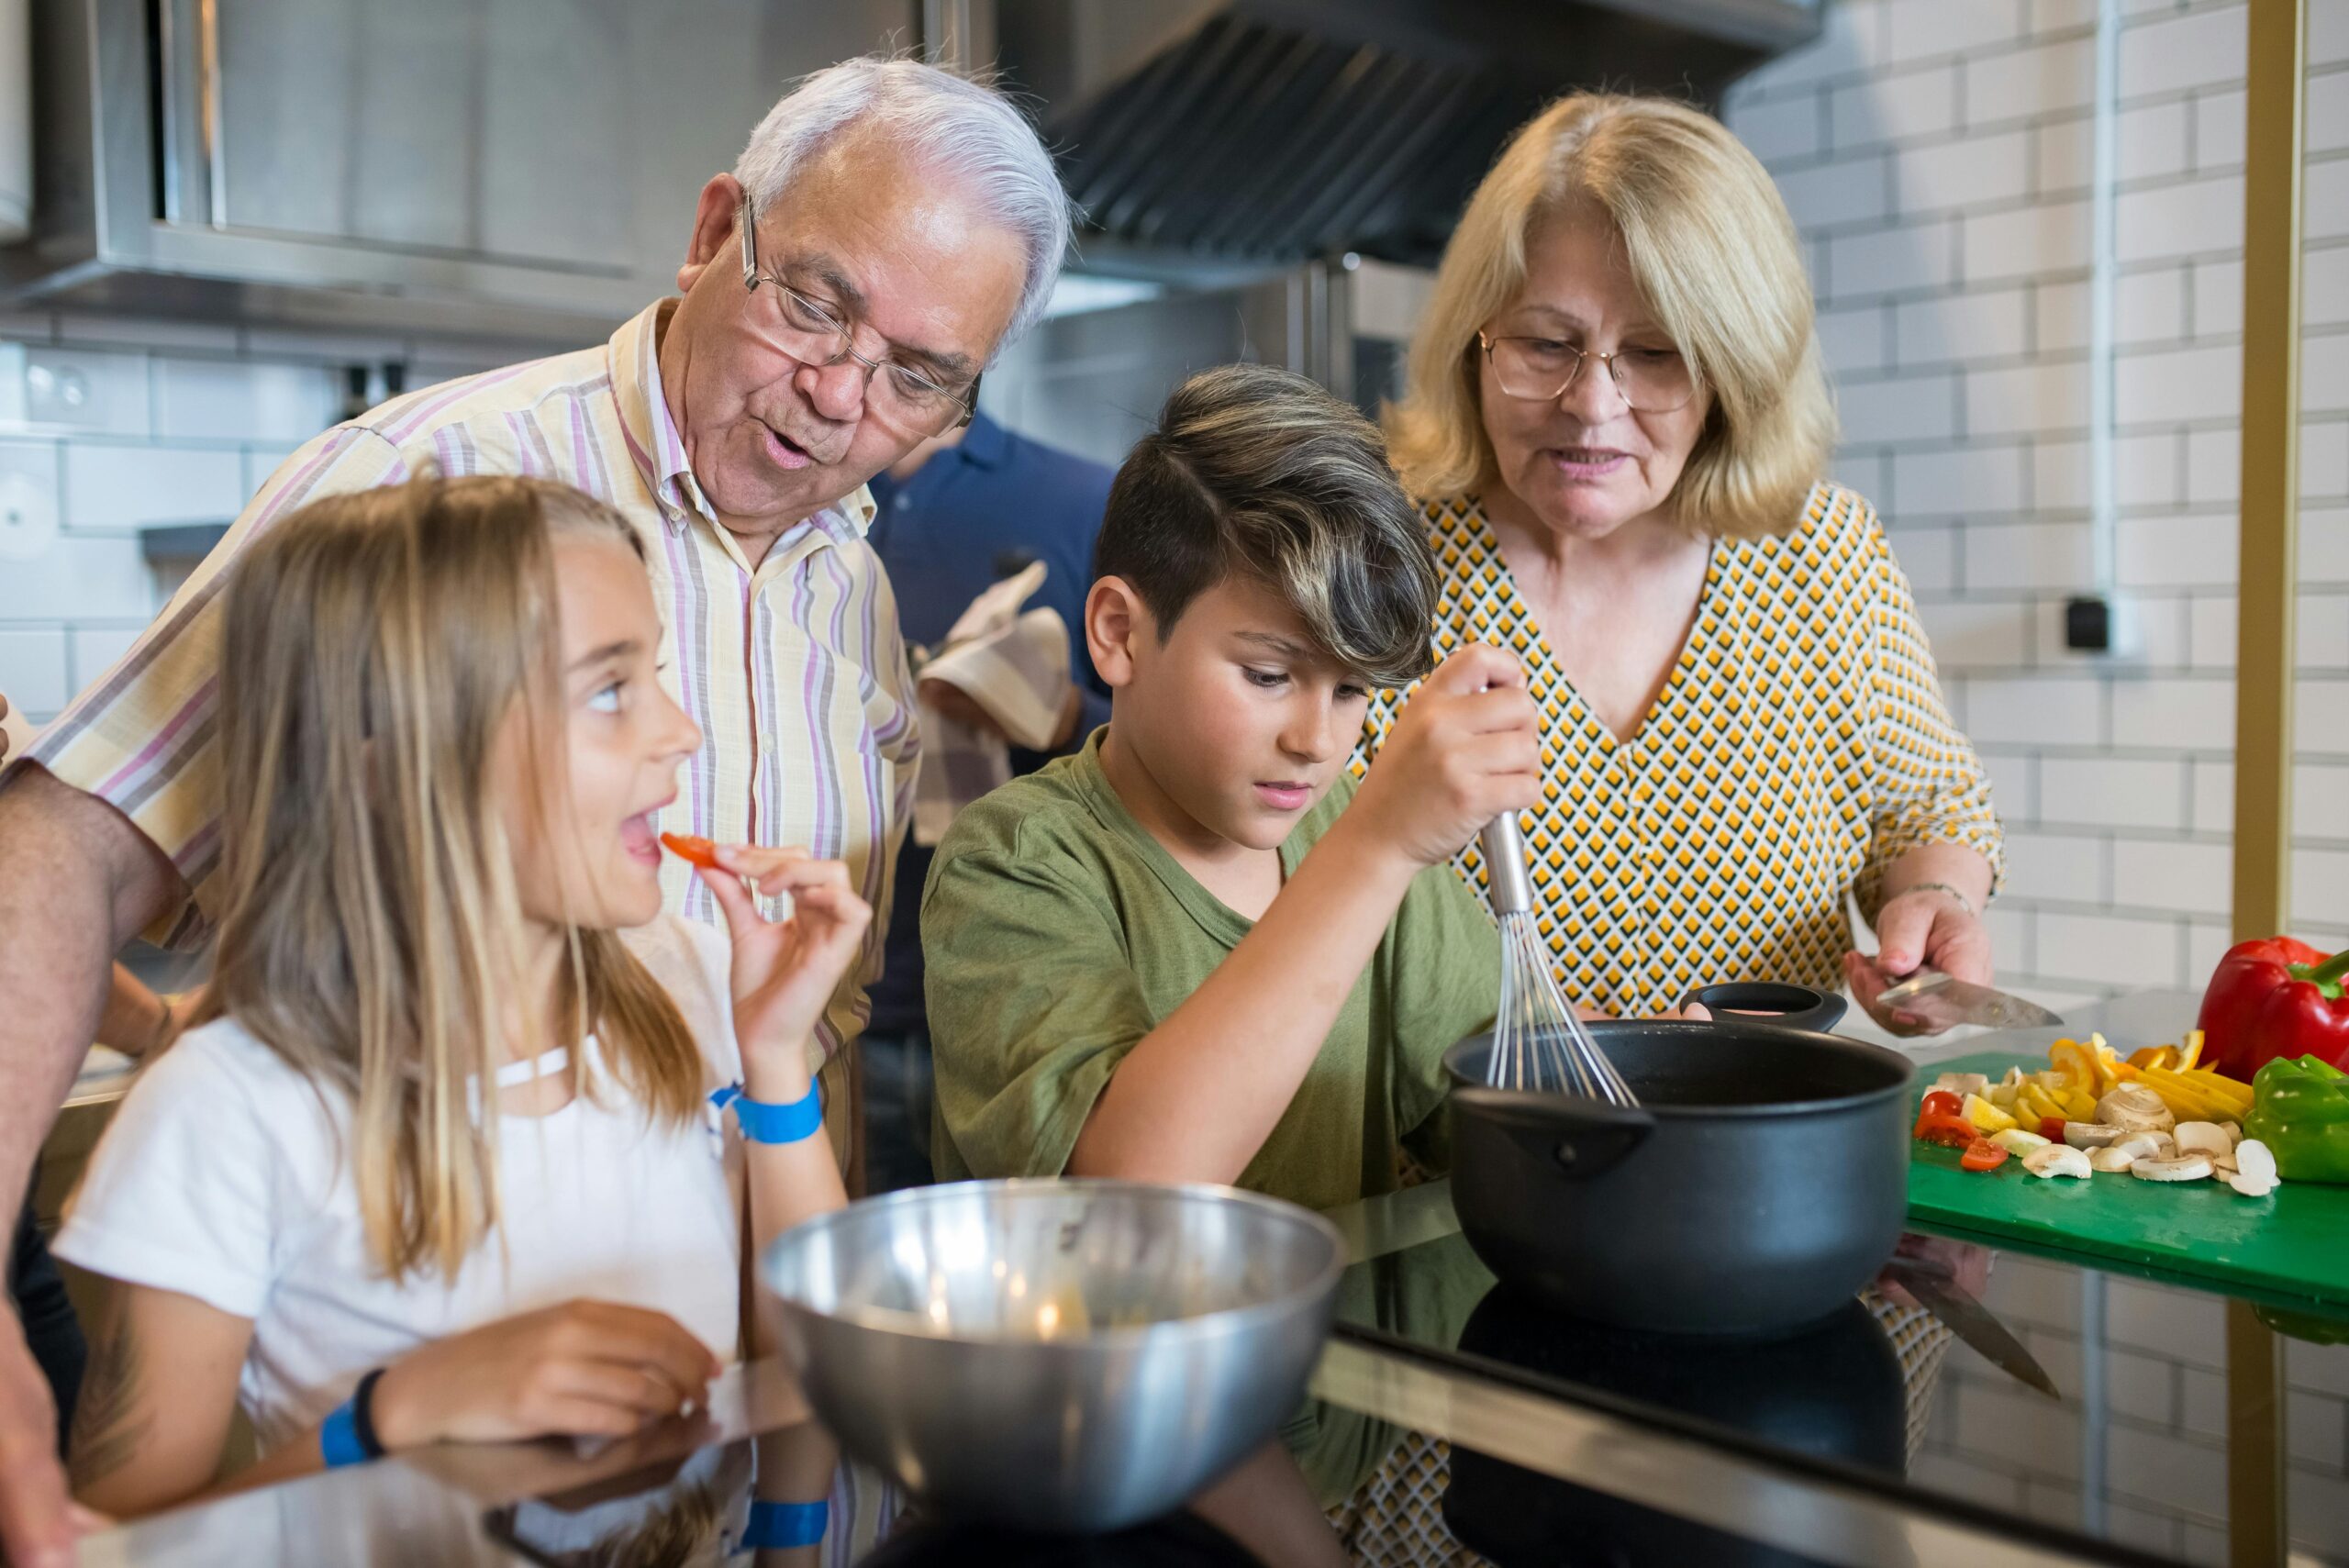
[{"x": 1619, "y": 427}]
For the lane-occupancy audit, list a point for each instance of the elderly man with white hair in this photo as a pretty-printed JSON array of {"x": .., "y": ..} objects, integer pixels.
[{"x": 888, "y": 229}]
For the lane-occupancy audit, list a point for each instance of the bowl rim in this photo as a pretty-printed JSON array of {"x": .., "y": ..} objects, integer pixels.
[
  {"x": 1698, "y": 1028},
  {"x": 902, "y": 1324}
]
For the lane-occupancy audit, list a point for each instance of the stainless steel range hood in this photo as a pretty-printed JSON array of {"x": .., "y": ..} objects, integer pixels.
[
  {"x": 527, "y": 170},
  {"x": 520, "y": 169},
  {"x": 1228, "y": 132}
]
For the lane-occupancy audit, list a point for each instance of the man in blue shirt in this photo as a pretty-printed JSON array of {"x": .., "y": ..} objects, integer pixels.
[{"x": 957, "y": 513}]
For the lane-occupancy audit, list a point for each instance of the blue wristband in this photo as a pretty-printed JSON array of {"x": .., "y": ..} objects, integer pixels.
[
  {"x": 763, "y": 1122},
  {"x": 338, "y": 1441},
  {"x": 786, "y": 1524},
  {"x": 347, "y": 1434}
]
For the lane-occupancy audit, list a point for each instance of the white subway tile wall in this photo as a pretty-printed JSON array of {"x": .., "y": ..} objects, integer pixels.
[
  {"x": 1955, "y": 317},
  {"x": 135, "y": 423},
  {"x": 1955, "y": 304}
]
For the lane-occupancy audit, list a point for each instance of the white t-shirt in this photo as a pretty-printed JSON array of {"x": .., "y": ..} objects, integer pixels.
[{"x": 222, "y": 1176}]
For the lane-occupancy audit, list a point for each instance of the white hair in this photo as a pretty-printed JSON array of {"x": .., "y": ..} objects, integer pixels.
[{"x": 949, "y": 125}]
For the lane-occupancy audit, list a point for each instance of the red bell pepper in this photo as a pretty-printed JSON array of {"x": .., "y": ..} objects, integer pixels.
[
  {"x": 2277, "y": 997},
  {"x": 693, "y": 849}
]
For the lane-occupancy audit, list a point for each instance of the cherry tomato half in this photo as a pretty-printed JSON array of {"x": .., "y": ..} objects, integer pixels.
[{"x": 1982, "y": 1155}]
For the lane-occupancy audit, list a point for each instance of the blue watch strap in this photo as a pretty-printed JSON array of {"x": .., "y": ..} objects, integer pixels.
[
  {"x": 338, "y": 1441},
  {"x": 786, "y": 1524},
  {"x": 764, "y": 1122},
  {"x": 347, "y": 1434}
]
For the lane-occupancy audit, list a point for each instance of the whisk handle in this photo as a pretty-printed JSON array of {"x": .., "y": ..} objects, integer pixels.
[{"x": 1504, "y": 847}]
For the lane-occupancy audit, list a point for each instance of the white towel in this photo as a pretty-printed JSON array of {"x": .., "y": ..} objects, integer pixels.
[{"x": 1013, "y": 664}]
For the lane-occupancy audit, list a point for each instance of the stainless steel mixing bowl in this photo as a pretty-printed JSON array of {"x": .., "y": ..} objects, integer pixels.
[{"x": 1056, "y": 1354}]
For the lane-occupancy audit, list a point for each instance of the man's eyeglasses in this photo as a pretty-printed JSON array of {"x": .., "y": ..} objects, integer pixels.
[
  {"x": 1653, "y": 381},
  {"x": 812, "y": 332}
]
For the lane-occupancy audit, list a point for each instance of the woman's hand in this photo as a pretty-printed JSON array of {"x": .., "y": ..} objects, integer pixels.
[
  {"x": 1923, "y": 926},
  {"x": 784, "y": 971},
  {"x": 584, "y": 1369}
]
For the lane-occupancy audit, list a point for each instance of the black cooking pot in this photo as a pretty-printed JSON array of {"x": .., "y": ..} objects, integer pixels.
[{"x": 1762, "y": 1182}]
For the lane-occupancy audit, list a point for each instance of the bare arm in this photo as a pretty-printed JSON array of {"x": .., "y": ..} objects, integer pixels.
[
  {"x": 1195, "y": 1100},
  {"x": 156, "y": 1401},
  {"x": 76, "y": 879},
  {"x": 1198, "y": 1095},
  {"x": 136, "y": 1020}
]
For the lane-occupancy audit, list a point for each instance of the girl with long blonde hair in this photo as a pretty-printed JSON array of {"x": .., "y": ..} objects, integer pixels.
[{"x": 445, "y": 1155}]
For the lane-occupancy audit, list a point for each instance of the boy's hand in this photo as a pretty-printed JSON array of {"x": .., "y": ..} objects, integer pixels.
[
  {"x": 785, "y": 971},
  {"x": 1467, "y": 747},
  {"x": 584, "y": 1369}
]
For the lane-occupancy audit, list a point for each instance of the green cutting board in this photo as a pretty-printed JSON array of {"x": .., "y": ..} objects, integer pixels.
[{"x": 2293, "y": 1243}]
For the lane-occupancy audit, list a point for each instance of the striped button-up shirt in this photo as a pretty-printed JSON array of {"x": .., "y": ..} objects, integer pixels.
[{"x": 793, "y": 666}]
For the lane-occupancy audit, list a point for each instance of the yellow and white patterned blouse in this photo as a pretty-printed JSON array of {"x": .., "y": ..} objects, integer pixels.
[{"x": 1799, "y": 746}]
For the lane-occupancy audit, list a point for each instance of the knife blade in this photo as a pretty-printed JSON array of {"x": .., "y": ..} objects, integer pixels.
[
  {"x": 1972, "y": 1323},
  {"x": 1943, "y": 999}
]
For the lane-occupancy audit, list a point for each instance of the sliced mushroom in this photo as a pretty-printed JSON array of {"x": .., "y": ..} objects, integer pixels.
[
  {"x": 2202, "y": 1137},
  {"x": 2092, "y": 1134},
  {"x": 2233, "y": 1132},
  {"x": 2256, "y": 1160},
  {"x": 2250, "y": 1186},
  {"x": 2135, "y": 1108},
  {"x": 2147, "y": 1146},
  {"x": 2186, "y": 1168},
  {"x": 2224, "y": 1164},
  {"x": 2057, "y": 1159},
  {"x": 2115, "y": 1158}
]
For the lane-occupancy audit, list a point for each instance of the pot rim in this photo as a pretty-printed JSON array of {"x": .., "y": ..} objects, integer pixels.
[{"x": 1898, "y": 1088}]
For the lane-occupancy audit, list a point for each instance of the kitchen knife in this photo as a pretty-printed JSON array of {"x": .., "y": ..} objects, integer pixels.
[
  {"x": 1971, "y": 1322},
  {"x": 1943, "y": 1000}
]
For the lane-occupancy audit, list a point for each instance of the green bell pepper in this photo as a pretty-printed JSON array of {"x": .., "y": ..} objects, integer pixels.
[{"x": 2301, "y": 1110}]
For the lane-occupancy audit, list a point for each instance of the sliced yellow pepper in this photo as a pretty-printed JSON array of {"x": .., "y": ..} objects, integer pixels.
[
  {"x": 2153, "y": 1056},
  {"x": 2191, "y": 1053},
  {"x": 1987, "y": 1116},
  {"x": 2076, "y": 1062}
]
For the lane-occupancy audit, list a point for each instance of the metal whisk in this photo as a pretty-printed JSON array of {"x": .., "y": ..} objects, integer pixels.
[{"x": 1539, "y": 1043}]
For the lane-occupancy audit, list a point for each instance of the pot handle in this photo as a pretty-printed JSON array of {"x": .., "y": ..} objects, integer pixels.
[
  {"x": 1581, "y": 1138},
  {"x": 1797, "y": 1006}
]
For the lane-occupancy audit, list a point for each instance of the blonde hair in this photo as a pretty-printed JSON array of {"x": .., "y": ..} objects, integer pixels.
[
  {"x": 1713, "y": 250},
  {"x": 377, "y": 646}
]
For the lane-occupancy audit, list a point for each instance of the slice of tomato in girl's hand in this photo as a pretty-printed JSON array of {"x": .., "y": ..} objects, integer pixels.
[{"x": 687, "y": 847}]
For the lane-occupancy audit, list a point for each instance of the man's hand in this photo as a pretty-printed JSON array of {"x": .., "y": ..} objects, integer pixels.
[
  {"x": 37, "y": 1516},
  {"x": 4, "y": 728}
]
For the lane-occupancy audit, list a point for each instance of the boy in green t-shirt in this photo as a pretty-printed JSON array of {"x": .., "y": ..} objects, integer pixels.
[{"x": 1135, "y": 966}]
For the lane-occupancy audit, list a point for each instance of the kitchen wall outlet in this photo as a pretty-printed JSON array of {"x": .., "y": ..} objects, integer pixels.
[{"x": 2102, "y": 626}]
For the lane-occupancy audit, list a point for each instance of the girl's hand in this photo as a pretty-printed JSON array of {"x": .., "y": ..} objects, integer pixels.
[
  {"x": 584, "y": 1369},
  {"x": 785, "y": 971}
]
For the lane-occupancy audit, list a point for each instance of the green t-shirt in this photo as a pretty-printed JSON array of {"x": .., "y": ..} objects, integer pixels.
[{"x": 1056, "y": 933}]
